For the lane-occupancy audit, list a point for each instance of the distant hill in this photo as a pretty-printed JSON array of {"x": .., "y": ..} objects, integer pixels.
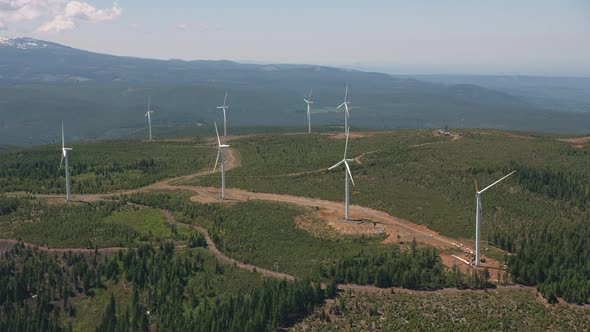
[
  {"x": 554, "y": 93},
  {"x": 105, "y": 96}
]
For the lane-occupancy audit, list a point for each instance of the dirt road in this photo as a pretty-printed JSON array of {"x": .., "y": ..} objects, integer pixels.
[
  {"x": 394, "y": 226},
  {"x": 222, "y": 257}
]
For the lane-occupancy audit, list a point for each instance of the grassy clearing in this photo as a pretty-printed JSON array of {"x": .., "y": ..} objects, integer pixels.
[
  {"x": 148, "y": 222},
  {"x": 519, "y": 310},
  {"x": 103, "y": 224},
  {"x": 265, "y": 234}
]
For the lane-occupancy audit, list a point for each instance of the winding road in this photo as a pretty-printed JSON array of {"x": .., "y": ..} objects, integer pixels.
[{"x": 397, "y": 225}]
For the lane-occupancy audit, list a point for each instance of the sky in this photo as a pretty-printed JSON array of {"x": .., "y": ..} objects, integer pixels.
[{"x": 526, "y": 37}]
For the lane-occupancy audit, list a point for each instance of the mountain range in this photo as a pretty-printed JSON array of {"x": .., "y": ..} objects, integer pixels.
[{"x": 101, "y": 96}]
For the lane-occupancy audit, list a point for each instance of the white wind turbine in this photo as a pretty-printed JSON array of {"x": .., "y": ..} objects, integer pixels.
[
  {"x": 308, "y": 101},
  {"x": 224, "y": 107},
  {"x": 347, "y": 175},
  {"x": 148, "y": 114},
  {"x": 346, "y": 108},
  {"x": 220, "y": 152},
  {"x": 64, "y": 155},
  {"x": 478, "y": 213}
]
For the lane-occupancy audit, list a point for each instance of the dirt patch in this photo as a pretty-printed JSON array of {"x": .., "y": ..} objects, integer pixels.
[
  {"x": 9, "y": 243},
  {"x": 312, "y": 223},
  {"x": 350, "y": 135},
  {"x": 180, "y": 139},
  {"x": 206, "y": 198},
  {"x": 576, "y": 140},
  {"x": 503, "y": 133},
  {"x": 335, "y": 220},
  {"x": 449, "y": 260}
]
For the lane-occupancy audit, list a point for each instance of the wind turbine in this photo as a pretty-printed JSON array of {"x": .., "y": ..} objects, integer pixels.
[
  {"x": 64, "y": 155},
  {"x": 224, "y": 107},
  {"x": 308, "y": 101},
  {"x": 347, "y": 175},
  {"x": 148, "y": 114},
  {"x": 478, "y": 214},
  {"x": 220, "y": 150},
  {"x": 345, "y": 104}
]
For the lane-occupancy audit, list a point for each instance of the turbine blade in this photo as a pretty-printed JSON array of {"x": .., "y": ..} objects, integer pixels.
[
  {"x": 62, "y": 160},
  {"x": 341, "y": 105},
  {"x": 336, "y": 165},
  {"x": 62, "y": 135},
  {"x": 349, "y": 173},
  {"x": 225, "y": 99},
  {"x": 346, "y": 94},
  {"x": 475, "y": 180},
  {"x": 217, "y": 160},
  {"x": 493, "y": 184},
  {"x": 310, "y": 91},
  {"x": 217, "y": 133}
]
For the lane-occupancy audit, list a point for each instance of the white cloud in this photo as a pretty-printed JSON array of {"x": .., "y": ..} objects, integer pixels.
[
  {"x": 182, "y": 27},
  {"x": 79, "y": 11},
  {"x": 62, "y": 14}
]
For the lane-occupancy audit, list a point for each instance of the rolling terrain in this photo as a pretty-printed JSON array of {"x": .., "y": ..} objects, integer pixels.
[
  {"x": 105, "y": 96},
  {"x": 413, "y": 203}
]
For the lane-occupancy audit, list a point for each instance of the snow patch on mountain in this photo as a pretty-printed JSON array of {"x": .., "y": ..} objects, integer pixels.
[{"x": 23, "y": 43}]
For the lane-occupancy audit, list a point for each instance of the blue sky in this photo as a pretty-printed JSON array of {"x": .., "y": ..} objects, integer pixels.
[{"x": 538, "y": 37}]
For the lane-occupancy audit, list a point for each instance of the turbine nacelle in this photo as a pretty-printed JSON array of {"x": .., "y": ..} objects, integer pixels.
[
  {"x": 220, "y": 147},
  {"x": 345, "y": 160},
  {"x": 224, "y": 107}
]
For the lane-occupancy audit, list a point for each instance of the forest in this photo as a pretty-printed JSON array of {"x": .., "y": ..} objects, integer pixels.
[
  {"x": 161, "y": 284},
  {"x": 100, "y": 167},
  {"x": 139, "y": 259}
]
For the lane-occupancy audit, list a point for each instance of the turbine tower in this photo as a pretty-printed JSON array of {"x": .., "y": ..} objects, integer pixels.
[
  {"x": 478, "y": 213},
  {"x": 347, "y": 176},
  {"x": 64, "y": 155},
  {"x": 148, "y": 114},
  {"x": 224, "y": 107},
  {"x": 308, "y": 101},
  {"x": 346, "y": 108},
  {"x": 220, "y": 150}
]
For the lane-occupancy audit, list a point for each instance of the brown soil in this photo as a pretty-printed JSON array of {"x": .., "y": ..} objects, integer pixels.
[
  {"x": 391, "y": 225},
  {"x": 578, "y": 140},
  {"x": 455, "y": 137},
  {"x": 368, "y": 221},
  {"x": 7, "y": 244},
  {"x": 350, "y": 135},
  {"x": 505, "y": 134},
  {"x": 180, "y": 139},
  {"x": 334, "y": 219}
]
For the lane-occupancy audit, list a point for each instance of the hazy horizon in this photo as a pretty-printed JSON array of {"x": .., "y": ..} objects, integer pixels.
[{"x": 536, "y": 38}]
